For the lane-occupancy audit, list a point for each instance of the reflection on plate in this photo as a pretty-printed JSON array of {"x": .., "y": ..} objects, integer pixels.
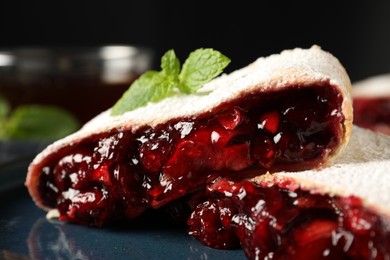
[{"x": 24, "y": 230}]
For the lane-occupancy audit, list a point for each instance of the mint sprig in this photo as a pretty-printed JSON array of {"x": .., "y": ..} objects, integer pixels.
[
  {"x": 35, "y": 122},
  {"x": 201, "y": 66}
]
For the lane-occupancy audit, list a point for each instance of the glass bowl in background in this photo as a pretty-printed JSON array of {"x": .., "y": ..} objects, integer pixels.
[{"x": 84, "y": 81}]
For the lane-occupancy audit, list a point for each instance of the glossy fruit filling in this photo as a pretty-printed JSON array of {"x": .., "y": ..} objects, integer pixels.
[
  {"x": 372, "y": 113},
  {"x": 275, "y": 223},
  {"x": 121, "y": 174}
]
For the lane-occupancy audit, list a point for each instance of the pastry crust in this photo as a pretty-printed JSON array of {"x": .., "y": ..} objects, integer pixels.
[
  {"x": 303, "y": 67},
  {"x": 376, "y": 86},
  {"x": 361, "y": 170}
]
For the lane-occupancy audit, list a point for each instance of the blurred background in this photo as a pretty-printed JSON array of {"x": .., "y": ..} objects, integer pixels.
[
  {"x": 87, "y": 75},
  {"x": 357, "y": 32}
]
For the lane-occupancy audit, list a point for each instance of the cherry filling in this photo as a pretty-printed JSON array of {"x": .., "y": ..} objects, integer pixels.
[
  {"x": 276, "y": 223},
  {"x": 372, "y": 113},
  {"x": 121, "y": 174}
]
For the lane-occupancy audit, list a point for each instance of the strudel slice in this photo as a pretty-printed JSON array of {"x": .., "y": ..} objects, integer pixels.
[{"x": 290, "y": 111}]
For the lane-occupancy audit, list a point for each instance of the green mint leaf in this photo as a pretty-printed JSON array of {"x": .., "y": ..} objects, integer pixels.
[
  {"x": 163, "y": 90},
  {"x": 170, "y": 65},
  {"x": 149, "y": 87},
  {"x": 201, "y": 66},
  {"x": 39, "y": 122}
]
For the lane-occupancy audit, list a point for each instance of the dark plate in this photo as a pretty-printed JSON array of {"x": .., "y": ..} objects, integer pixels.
[{"x": 25, "y": 230}]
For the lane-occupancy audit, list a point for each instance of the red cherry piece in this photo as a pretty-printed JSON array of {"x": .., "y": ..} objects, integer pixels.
[
  {"x": 230, "y": 119},
  {"x": 216, "y": 231},
  {"x": 270, "y": 122},
  {"x": 315, "y": 230}
]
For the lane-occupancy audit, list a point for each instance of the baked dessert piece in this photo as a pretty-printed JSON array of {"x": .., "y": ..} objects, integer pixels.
[
  {"x": 290, "y": 111},
  {"x": 371, "y": 103},
  {"x": 338, "y": 212}
]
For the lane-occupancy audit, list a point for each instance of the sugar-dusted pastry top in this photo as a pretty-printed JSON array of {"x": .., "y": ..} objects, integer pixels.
[{"x": 361, "y": 170}]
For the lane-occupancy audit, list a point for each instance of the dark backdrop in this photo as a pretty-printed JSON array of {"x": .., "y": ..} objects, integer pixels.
[{"x": 357, "y": 33}]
